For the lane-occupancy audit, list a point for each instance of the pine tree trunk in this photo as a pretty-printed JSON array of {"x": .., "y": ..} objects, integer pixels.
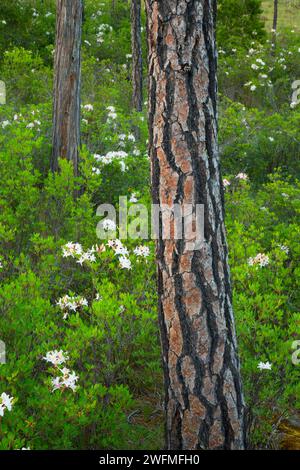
[
  {"x": 137, "y": 65},
  {"x": 67, "y": 83},
  {"x": 204, "y": 400}
]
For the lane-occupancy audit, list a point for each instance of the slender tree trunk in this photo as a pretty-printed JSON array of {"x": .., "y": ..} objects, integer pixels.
[
  {"x": 137, "y": 65},
  {"x": 67, "y": 83},
  {"x": 204, "y": 400},
  {"x": 275, "y": 20}
]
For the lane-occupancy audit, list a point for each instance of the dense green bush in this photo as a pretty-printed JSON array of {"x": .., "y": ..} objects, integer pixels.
[
  {"x": 239, "y": 22},
  {"x": 266, "y": 296},
  {"x": 257, "y": 142}
]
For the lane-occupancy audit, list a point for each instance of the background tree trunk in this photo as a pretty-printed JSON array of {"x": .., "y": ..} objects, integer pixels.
[
  {"x": 67, "y": 83},
  {"x": 275, "y": 21},
  {"x": 137, "y": 65},
  {"x": 275, "y": 15},
  {"x": 204, "y": 400}
]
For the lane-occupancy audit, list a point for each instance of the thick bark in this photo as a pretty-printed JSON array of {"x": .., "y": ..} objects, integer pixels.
[
  {"x": 67, "y": 83},
  {"x": 137, "y": 65},
  {"x": 204, "y": 400}
]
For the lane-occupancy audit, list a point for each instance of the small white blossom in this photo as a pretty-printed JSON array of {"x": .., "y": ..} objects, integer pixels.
[
  {"x": 131, "y": 138},
  {"x": 143, "y": 251},
  {"x": 88, "y": 107},
  {"x": 72, "y": 249},
  {"x": 88, "y": 255},
  {"x": 121, "y": 250},
  {"x": 242, "y": 176},
  {"x": 125, "y": 262},
  {"x": 56, "y": 357},
  {"x": 68, "y": 380},
  {"x": 4, "y": 124},
  {"x": 109, "y": 225},
  {"x": 5, "y": 403},
  {"x": 264, "y": 366},
  {"x": 284, "y": 248},
  {"x": 259, "y": 260},
  {"x": 71, "y": 304},
  {"x": 133, "y": 198}
]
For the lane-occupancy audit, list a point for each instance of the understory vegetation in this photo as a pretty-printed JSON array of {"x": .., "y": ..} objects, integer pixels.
[{"x": 79, "y": 314}]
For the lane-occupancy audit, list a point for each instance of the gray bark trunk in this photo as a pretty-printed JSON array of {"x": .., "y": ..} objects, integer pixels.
[
  {"x": 204, "y": 399},
  {"x": 67, "y": 83}
]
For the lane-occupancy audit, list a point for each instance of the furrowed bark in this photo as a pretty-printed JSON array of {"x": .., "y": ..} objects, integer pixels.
[
  {"x": 67, "y": 83},
  {"x": 137, "y": 65},
  {"x": 204, "y": 399}
]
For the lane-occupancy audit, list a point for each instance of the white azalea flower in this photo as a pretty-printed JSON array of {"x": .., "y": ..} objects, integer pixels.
[
  {"x": 6, "y": 401},
  {"x": 56, "y": 357},
  {"x": 133, "y": 198},
  {"x": 143, "y": 251},
  {"x": 109, "y": 224},
  {"x": 242, "y": 176},
  {"x": 259, "y": 260},
  {"x": 125, "y": 262},
  {"x": 264, "y": 366}
]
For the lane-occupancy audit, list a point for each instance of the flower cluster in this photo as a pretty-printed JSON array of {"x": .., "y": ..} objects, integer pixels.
[
  {"x": 4, "y": 124},
  {"x": 5, "y": 403},
  {"x": 112, "y": 115},
  {"x": 88, "y": 107},
  {"x": 88, "y": 255},
  {"x": 71, "y": 304},
  {"x": 68, "y": 378},
  {"x": 121, "y": 251},
  {"x": 124, "y": 137},
  {"x": 142, "y": 251},
  {"x": 111, "y": 156},
  {"x": 264, "y": 366},
  {"x": 56, "y": 357},
  {"x": 75, "y": 250},
  {"x": 109, "y": 225},
  {"x": 242, "y": 176},
  {"x": 284, "y": 248},
  {"x": 72, "y": 249},
  {"x": 259, "y": 260},
  {"x": 102, "y": 29},
  {"x": 33, "y": 124},
  {"x": 119, "y": 156}
]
